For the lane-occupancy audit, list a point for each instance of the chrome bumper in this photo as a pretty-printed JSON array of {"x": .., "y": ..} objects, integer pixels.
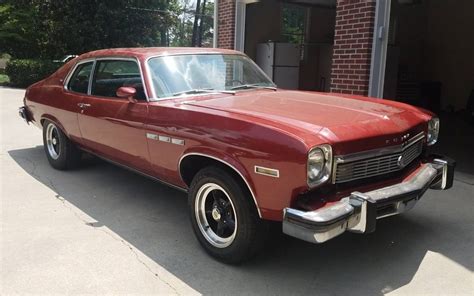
[
  {"x": 24, "y": 114},
  {"x": 359, "y": 211}
]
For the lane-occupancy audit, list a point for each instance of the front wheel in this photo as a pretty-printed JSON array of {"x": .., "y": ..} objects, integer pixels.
[
  {"x": 62, "y": 154},
  {"x": 223, "y": 215}
]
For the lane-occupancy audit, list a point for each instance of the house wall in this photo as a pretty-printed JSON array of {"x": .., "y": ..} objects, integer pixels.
[
  {"x": 353, "y": 46},
  {"x": 226, "y": 24}
]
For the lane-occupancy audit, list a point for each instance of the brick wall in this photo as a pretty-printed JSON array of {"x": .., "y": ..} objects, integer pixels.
[
  {"x": 226, "y": 24},
  {"x": 353, "y": 46}
]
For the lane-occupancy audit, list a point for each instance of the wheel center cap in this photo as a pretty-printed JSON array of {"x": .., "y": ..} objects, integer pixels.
[
  {"x": 216, "y": 215},
  {"x": 55, "y": 141}
]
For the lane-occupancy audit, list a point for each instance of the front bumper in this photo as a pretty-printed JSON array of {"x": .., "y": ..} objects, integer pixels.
[{"x": 359, "y": 212}]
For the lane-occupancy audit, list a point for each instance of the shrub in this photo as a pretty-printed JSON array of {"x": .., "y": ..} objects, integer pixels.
[{"x": 23, "y": 73}]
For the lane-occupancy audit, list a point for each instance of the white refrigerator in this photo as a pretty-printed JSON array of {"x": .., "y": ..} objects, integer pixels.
[{"x": 281, "y": 62}]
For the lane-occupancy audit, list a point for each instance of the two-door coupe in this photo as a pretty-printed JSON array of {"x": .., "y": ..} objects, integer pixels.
[{"x": 211, "y": 123}]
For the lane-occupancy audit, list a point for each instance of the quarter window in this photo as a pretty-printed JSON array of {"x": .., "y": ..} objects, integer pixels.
[
  {"x": 110, "y": 75},
  {"x": 79, "y": 81}
]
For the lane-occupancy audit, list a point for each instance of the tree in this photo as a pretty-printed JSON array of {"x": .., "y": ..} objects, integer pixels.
[
  {"x": 18, "y": 32},
  {"x": 196, "y": 21},
  {"x": 51, "y": 28}
]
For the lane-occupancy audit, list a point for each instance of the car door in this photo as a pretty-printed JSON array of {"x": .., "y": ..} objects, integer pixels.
[
  {"x": 76, "y": 87},
  {"x": 113, "y": 127}
]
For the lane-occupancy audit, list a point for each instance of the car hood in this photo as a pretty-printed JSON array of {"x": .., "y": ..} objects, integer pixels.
[{"x": 333, "y": 118}]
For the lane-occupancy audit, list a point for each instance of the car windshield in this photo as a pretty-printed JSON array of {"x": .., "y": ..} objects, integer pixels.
[{"x": 201, "y": 73}]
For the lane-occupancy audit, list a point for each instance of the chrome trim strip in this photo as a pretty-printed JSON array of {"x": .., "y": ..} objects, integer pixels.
[
  {"x": 177, "y": 141},
  {"x": 378, "y": 152},
  {"x": 226, "y": 163},
  {"x": 271, "y": 172},
  {"x": 152, "y": 136},
  {"x": 164, "y": 139}
]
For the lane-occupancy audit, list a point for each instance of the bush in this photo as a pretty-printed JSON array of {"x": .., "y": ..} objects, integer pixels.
[{"x": 23, "y": 73}]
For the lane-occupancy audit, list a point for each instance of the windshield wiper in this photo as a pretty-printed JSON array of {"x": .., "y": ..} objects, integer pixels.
[
  {"x": 246, "y": 86},
  {"x": 201, "y": 91}
]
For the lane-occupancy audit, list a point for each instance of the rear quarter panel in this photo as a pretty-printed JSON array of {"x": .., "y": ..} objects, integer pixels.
[{"x": 48, "y": 100}]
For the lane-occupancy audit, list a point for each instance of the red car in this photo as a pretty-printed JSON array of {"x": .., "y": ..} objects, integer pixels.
[{"x": 211, "y": 123}]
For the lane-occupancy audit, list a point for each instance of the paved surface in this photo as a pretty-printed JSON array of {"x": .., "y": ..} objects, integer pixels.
[{"x": 101, "y": 229}]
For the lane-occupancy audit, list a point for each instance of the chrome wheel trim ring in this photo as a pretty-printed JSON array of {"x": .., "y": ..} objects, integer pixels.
[
  {"x": 200, "y": 215},
  {"x": 52, "y": 141}
]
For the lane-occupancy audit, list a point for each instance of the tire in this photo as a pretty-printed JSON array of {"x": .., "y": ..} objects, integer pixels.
[
  {"x": 62, "y": 154},
  {"x": 218, "y": 201}
]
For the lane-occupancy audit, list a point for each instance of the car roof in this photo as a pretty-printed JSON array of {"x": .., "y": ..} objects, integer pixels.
[{"x": 145, "y": 52}]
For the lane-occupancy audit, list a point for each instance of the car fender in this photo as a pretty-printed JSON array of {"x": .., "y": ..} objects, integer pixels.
[{"x": 226, "y": 159}]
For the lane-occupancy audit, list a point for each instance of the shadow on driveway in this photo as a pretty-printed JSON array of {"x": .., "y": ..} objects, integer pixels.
[{"x": 154, "y": 219}]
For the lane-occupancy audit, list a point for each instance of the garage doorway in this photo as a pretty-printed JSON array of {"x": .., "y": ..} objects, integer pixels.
[
  {"x": 294, "y": 37},
  {"x": 430, "y": 63},
  {"x": 430, "y": 54}
]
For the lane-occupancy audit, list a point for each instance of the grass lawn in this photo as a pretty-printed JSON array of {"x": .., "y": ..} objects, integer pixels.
[{"x": 4, "y": 79}]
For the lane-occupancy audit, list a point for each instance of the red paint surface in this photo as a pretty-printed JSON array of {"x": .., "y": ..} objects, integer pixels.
[{"x": 273, "y": 129}]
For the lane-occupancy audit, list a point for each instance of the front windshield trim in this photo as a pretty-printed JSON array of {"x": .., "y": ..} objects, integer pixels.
[{"x": 155, "y": 98}]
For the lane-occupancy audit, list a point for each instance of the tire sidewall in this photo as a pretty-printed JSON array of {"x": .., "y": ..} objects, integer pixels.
[
  {"x": 246, "y": 219},
  {"x": 61, "y": 161}
]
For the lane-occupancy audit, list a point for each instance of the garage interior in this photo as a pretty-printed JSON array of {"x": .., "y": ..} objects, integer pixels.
[
  {"x": 308, "y": 25},
  {"x": 430, "y": 54},
  {"x": 430, "y": 63}
]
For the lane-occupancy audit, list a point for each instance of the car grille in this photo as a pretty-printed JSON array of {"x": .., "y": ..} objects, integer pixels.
[{"x": 374, "y": 166}]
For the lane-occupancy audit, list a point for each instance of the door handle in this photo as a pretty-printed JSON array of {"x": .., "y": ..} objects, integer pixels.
[{"x": 83, "y": 105}]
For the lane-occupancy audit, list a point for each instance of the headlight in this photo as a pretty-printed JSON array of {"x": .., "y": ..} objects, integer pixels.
[
  {"x": 433, "y": 131},
  {"x": 319, "y": 165}
]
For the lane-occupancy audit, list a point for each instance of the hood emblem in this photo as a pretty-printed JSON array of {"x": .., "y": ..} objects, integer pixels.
[{"x": 403, "y": 139}]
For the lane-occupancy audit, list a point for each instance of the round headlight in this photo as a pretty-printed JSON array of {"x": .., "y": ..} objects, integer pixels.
[
  {"x": 433, "y": 131},
  {"x": 319, "y": 165},
  {"x": 316, "y": 162}
]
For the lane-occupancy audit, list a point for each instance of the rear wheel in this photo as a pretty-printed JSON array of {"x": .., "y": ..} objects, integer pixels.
[
  {"x": 223, "y": 215},
  {"x": 62, "y": 154}
]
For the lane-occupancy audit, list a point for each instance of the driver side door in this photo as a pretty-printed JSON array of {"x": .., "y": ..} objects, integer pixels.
[{"x": 113, "y": 127}]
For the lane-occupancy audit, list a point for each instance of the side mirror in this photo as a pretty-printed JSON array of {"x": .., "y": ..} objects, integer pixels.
[{"x": 127, "y": 92}]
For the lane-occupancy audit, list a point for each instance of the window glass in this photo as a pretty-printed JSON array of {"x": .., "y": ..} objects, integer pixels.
[
  {"x": 110, "y": 75},
  {"x": 79, "y": 81},
  {"x": 172, "y": 75}
]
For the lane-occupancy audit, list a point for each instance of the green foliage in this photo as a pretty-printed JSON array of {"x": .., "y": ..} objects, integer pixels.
[
  {"x": 53, "y": 28},
  {"x": 293, "y": 23},
  {"x": 23, "y": 73},
  {"x": 4, "y": 79},
  {"x": 18, "y": 32}
]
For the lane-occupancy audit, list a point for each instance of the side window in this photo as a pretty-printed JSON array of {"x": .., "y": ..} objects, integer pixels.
[
  {"x": 79, "y": 81},
  {"x": 110, "y": 75}
]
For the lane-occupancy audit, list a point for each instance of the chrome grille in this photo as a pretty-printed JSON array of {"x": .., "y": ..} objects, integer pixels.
[{"x": 346, "y": 171}]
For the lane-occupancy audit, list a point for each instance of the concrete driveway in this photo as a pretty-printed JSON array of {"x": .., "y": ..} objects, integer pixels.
[{"x": 101, "y": 229}]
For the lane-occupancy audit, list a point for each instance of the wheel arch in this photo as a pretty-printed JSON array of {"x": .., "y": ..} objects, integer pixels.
[
  {"x": 195, "y": 161},
  {"x": 53, "y": 120}
]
